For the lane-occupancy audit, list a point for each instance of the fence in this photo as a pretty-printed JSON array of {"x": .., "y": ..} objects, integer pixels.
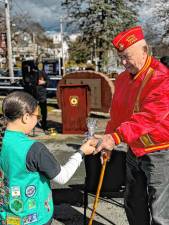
[
  {"x": 9, "y": 84},
  {"x": 4, "y": 85}
]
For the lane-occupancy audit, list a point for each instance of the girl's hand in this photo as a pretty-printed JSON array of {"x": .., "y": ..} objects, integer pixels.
[
  {"x": 106, "y": 144},
  {"x": 89, "y": 146}
]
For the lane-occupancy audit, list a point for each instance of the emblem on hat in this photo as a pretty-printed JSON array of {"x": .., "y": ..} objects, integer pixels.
[
  {"x": 131, "y": 39},
  {"x": 127, "y": 38},
  {"x": 121, "y": 47}
]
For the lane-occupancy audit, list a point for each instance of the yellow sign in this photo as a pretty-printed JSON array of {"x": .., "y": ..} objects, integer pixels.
[
  {"x": 12, "y": 220},
  {"x": 74, "y": 100}
]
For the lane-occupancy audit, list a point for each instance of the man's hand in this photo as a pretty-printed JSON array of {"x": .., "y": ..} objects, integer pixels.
[
  {"x": 106, "y": 144},
  {"x": 105, "y": 153}
]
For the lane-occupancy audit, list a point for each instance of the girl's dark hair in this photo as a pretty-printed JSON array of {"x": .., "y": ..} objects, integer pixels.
[{"x": 16, "y": 104}]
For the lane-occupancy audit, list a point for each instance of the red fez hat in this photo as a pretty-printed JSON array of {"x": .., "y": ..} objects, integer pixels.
[{"x": 127, "y": 38}]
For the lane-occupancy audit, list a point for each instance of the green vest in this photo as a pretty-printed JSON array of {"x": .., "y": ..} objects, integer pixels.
[{"x": 25, "y": 197}]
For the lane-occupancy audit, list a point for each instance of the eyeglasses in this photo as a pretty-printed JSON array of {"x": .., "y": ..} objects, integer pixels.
[{"x": 38, "y": 116}]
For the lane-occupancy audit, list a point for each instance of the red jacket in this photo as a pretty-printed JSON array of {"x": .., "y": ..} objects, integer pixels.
[{"x": 140, "y": 109}]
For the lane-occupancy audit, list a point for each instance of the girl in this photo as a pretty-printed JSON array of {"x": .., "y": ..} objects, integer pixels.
[{"x": 26, "y": 166}]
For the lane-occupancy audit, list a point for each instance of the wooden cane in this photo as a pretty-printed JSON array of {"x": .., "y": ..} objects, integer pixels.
[{"x": 105, "y": 158}]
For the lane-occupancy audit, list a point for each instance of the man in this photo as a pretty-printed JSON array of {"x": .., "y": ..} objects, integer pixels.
[
  {"x": 41, "y": 93},
  {"x": 140, "y": 118},
  {"x": 29, "y": 73},
  {"x": 35, "y": 83}
]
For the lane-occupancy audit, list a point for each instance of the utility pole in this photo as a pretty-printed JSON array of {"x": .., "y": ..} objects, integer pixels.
[
  {"x": 95, "y": 55},
  {"x": 61, "y": 33},
  {"x": 9, "y": 45}
]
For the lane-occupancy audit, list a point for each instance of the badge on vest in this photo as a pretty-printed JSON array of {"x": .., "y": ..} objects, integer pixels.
[
  {"x": 15, "y": 191},
  {"x": 30, "y": 219},
  {"x": 4, "y": 196},
  {"x": 31, "y": 203},
  {"x": 3, "y": 222},
  {"x": 17, "y": 205},
  {"x": 30, "y": 191},
  {"x": 2, "y": 201},
  {"x": 2, "y": 192},
  {"x": 1, "y": 179},
  {"x": 1, "y": 175},
  {"x": 13, "y": 220},
  {"x": 47, "y": 202}
]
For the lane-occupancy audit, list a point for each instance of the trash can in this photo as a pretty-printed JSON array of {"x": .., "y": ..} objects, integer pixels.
[{"x": 75, "y": 108}]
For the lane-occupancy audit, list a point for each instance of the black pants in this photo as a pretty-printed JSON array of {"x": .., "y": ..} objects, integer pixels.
[
  {"x": 43, "y": 109},
  {"x": 147, "y": 188}
]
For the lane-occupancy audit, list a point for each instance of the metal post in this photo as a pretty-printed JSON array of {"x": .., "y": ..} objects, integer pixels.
[
  {"x": 60, "y": 69},
  {"x": 9, "y": 45},
  {"x": 95, "y": 55},
  {"x": 61, "y": 33}
]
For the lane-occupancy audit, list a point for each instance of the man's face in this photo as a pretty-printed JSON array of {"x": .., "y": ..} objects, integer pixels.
[{"x": 133, "y": 58}]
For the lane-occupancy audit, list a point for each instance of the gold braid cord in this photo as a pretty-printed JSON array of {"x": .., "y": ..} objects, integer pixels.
[{"x": 98, "y": 189}]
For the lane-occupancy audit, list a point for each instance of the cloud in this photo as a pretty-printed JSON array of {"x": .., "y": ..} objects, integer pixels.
[
  {"x": 47, "y": 13},
  {"x": 154, "y": 19}
]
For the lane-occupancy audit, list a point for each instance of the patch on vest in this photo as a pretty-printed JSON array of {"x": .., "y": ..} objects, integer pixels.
[
  {"x": 30, "y": 219},
  {"x": 13, "y": 220},
  {"x": 16, "y": 191},
  {"x": 47, "y": 202},
  {"x": 2, "y": 202},
  {"x": 17, "y": 205},
  {"x": 2, "y": 192},
  {"x": 30, "y": 191},
  {"x": 1, "y": 175},
  {"x": 3, "y": 222},
  {"x": 2, "y": 179},
  {"x": 31, "y": 203}
]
